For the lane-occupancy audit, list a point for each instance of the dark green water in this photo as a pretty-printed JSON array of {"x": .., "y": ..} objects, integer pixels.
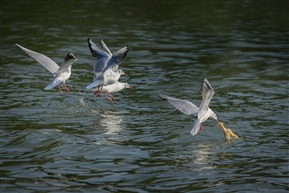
[{"x": 55, "y": 143}]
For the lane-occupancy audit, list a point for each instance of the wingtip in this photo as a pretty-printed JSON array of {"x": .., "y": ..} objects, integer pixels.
[
  {"x": 93, "y": 84},
  {"x": 18, "y": 45},
  {"x": 163, "y": 97},
  {"x": 48, "y": 87}
]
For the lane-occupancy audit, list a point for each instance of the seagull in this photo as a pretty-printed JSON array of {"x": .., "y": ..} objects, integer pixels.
[
  {"x": 61, "y": 74},
  {"x": 106, "y": 66},
  {"x": 201, "y": 113},
  {"x": 112, "y": 88}
]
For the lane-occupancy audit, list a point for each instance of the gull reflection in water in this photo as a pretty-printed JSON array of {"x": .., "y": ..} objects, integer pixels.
[
  {"x": 112, "y": 122},
  {"x": 201, "y": 156}
]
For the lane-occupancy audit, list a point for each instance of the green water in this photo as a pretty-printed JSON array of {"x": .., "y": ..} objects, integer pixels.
[{"x": 76, "y": 142}]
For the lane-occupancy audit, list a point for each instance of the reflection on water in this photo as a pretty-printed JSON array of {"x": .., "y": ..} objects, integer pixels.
[
  {"x": 76, "y": 142},
  {"x": 112, "y": 122},
  {"x": 201, "y": 154}
]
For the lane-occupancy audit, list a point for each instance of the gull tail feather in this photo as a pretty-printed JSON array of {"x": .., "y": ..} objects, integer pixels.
[
  {"x": 54, "y": 83},
  {"x": 93, "y": 84},
  {"x": 196, "y": 127}
]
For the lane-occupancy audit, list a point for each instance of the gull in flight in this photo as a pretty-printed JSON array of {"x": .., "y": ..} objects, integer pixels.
[
  {"x": 61, "y": 74},
  {"x": 112, "y": 88},
  {"x": 106, "y": 66},
  {"x": 201, "y": 113}
]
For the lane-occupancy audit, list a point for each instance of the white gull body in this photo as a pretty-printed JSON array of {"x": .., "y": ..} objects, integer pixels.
[{"x": 115, "y": 87}]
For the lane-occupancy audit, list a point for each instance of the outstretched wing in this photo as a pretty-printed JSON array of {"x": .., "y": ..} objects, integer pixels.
[
  {"x": 96, "y": 52},
  {"x": 117, "y": 58},
  {"x": 207, "y": 93},
  {"x": 101, "y": 56},
  {"x": 183, "y": 105},
  {"x": 105, "y": 48},
  {"x": 41, "y": 59}
]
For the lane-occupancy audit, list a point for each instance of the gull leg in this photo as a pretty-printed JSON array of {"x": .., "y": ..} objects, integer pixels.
[
  {"x": 201, "y": 128},
  {"x": 100, "y": 89},
  {"x": 98, "y": 92},
  {"x": 110, "y": 97},
  {"x": 59, "y": 89},
  {"x": 66, "y": 88}
]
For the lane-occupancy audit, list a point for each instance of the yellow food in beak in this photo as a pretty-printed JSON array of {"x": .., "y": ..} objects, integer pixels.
[{"x": 228, "y": 133}]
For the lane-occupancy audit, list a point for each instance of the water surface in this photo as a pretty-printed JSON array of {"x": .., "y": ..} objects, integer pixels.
[{"x": 76, "y": 142}]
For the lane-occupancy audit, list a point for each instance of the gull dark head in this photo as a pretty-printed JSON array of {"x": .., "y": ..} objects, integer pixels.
[{"x": 69, "y": 56}]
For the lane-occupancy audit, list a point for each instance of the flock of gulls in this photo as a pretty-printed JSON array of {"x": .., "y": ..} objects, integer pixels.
[
  {"x": 106, "y": 76},
  {"x": 106, "y": 69}
]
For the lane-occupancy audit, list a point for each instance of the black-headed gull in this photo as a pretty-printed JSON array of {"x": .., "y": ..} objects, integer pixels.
[
  {"x": 106, "y": 66},
  {"x": 112, "y": 88},
  {"x": 61, "y": 74},
  {"x": 201, "y": 113}
]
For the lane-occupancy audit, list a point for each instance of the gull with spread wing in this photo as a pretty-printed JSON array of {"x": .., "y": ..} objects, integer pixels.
[
  {"x": 106, "y": 66},
  {"x": 201, "y": 113},
  {"x": 61, "y": 74}
]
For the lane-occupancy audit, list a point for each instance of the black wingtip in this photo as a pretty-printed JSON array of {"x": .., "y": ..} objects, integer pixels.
[{"x": 162, "y": 97}]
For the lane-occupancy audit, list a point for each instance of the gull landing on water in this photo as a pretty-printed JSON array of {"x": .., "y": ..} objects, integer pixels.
[
  {"x": 201, "y": 113},
  {"x": 112, "y": 88},
  {"x": 61, "y": 74},
  {"x": 106, "y": 66}
]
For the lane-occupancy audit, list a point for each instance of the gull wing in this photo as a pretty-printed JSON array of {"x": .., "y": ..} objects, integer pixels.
[
  {"x": 101, "y": 58},
  {"x": 117, "y": 58},
  {"x": 183, "y": 105},
  {"x": 41, "y": 59},
  {"x": 105, "y": 48},
  {"x": 96, "y": 51},
  {"x": 207, "y": 94},
  {"x": 94, "y": 84}
]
